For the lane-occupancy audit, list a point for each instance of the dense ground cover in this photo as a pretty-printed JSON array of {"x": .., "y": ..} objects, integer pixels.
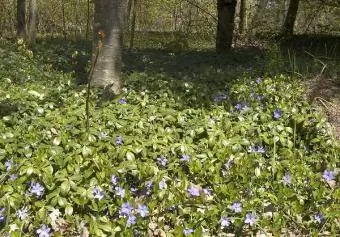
[{"x": 197, "y": 145}]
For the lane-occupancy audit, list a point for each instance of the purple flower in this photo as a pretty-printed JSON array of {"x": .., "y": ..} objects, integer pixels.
[
  {"x": 257, "y": 149},
  {"x": 119, "y": 141},
  {"x": 187, "y": 231},
  {"x": 185, "y": 157},
  {"x": 163, "y": 161},
  {"x": 328, "y": 175},
  {"x": 120, "y": 192},
  {"x": 238, "y": 106},
  {"x": 194, "y": 191},
  {"x": 258, "y": 80},
  {"x": 122, "y": 101},
  {"x": 236, "y": 207},
  {"x": 131, "y": 220},
  {"x": 250, "y": 219},
  {"x": 2, "y": 215},
  {"x": 241, "y": 106},
  {"x": 277, "y": 114},
  {"x": 98, "y": 193},
  {"x": 44, "y": 231},
  {"x": 286, "y": 179},
  {"x": 319, "y": 217},
  {"x": 225, "y": 222},
  {"x": 142, "y": 210},
  {"x": 13, "y": 177},
  {"x": 22, "y": 213},
  {"x": 8, "y": 164},
  {"x": 162, "y": 184},
  {"x": 114, "y": 180},
  {"x": 126, "y": 209},
  {"x": 207, "y": 191},
  {"x": 37, "y": 189}
]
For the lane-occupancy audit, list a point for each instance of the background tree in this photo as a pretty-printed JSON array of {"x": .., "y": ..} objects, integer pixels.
[
  {"x": 21, "y": 18},
  {"x": 288, "y": 26},
  {"x": 243, "y": 16},
  {"x": 32, "y": 26},
  {"x": 107, "y": 35},
  {"x": 225, "y": 25}
]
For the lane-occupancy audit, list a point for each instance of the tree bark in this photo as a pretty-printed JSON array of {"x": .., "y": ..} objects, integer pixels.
[
  {"x": 243, "y": 16},
  {"x": 32, "y": 27},
  {"x": 133, "y": 24},
  {"x": 288, "y": 25},
  {"x": 21, "y": 19},
  {"x": 108, "y": 21},
  {"x": 225, "y": 25}
]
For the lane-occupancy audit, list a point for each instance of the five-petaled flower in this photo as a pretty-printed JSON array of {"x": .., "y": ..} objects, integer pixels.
[
  {"x": 131, "y": 220},
  {"x": 119, "y": 141},
  {"x": 236, "y": 207},
  {"x": 194, "y": 191},
  {"x": 98, "y": 193},
  {"x": 162, "y": 184},
  {"x": 126, "y": 209},
  {"x": 44, "y": 231},
  {"x": 8, "y": 164},
  {"x": 122, "y": 101},
  {"x": 286, "y": 179},
  {"x": 114, "y": 180},
  {"x": 163, "y": 161},
  {"x": 225, "y": 222},
  {"x": 22, "y": 213},
  {"x": 319, "y": 217},
  {"x": 250, "y": 219},
  {"x": 142, "y": 210},
  {"x": 185, "y": 157},
  {"x": 277, "y": 113},
  {"x": 187, "y": 231},
  {"x": 37, "y": 189},
  {"x": 328, "y": 175}
]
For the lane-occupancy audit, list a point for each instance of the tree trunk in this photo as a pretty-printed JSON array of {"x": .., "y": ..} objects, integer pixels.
[
  {"x": 63, "y": 18},
  {"x": 107, "y": 35},
  {"x": 225, "y": 25},
  {"x": 21, "y": 18},
  {"x": 133, "y": 24},
  {"x": 243, "y": 16},
  {"x": 32, "y": 27},
  {"x": 288, "y": 25}
]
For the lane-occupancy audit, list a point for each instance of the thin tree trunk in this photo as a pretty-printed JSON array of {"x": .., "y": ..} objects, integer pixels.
[
  {"x": 108, "y": 22},
  {"x": 63, "y": 18},
  {"x": 243, "y": 16},
  {"x": 133, "y": 24},
  {"x": 128, "y": 13},
  {"x": 288, "y": 25},
  {"x": 76, "y": 14},
  {"x": 32, "y": 27},
  {"x": 225, "y": 25},
  {"x": 87, "y": 20},
  {"x": 21, "y": 19}
]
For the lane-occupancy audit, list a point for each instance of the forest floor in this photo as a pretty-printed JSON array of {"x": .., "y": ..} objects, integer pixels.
[{"x": 325, "y": 94}]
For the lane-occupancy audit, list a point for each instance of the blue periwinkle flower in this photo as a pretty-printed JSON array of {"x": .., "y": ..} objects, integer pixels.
[
  {"x": 37, "y": 189},
  {"x": 44, "y": 231},
  {"x": 194, "y": 191},
  {"x": 250, "y": 219},
  {"x": 187, "y": 231},
  {"x": 225, "y": 222},
  {"x": 236, "y": 207},
  {"x": 277, "y": 114},
  {"x": 142, "y": 210},
  {"x": 98, "y": 193},
  {"x": 328, "y": 175}
]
